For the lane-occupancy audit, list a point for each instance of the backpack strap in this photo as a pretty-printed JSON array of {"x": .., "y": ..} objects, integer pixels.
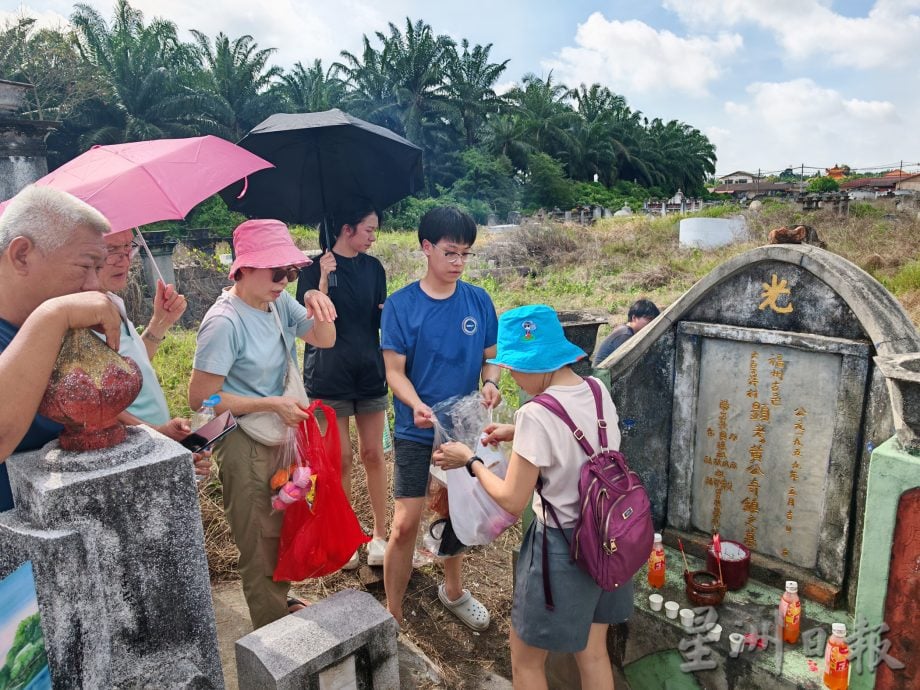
[
  {"x": 554, "y": 406},
  {"x": 547, "y": 590},
  {"x": 599, "y": 406}
]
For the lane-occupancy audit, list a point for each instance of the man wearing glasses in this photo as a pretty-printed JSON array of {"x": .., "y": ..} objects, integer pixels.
[{"x": 436, "y": 335}]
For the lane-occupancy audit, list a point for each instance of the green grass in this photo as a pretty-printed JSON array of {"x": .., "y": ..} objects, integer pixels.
[{"x": 906, "y": 279}]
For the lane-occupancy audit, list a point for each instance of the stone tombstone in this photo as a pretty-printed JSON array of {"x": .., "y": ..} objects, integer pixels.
[
  {"x": 116, "y": 544},
  {"x": 347, "y": 640},
  {"x": 751, "y": 405},
  {"x": 22, "y": 141}
]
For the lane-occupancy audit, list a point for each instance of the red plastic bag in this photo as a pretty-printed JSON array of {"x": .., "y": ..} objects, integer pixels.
[{"x": 319, "y": 541}]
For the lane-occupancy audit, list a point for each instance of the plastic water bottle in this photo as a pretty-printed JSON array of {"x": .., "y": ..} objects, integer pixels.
[
  {"x": 836, "y": 659},
  {"x": 790, "y": 610},
  {"x": 656, "y": 564},
  {"x": 205, "y": 413}
]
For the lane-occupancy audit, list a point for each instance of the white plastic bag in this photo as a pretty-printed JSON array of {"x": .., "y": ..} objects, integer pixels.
[{"x": 476, "y": 518}]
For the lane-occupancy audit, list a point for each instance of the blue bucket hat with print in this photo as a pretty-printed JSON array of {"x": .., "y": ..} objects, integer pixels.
[{"x": 531, "y": 341}]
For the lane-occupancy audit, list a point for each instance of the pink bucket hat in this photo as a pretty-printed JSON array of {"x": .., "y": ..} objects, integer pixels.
[{"x": 265, "y": 244}]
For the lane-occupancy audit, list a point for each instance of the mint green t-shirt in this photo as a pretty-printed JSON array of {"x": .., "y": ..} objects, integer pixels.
[{"x": 243, "y": 344}]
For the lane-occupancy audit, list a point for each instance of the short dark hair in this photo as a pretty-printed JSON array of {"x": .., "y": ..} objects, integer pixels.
[
  {"x": 348, "y": 214},
  {"x": 447, "y": 222},
  {"x": 642, "y": 309}
]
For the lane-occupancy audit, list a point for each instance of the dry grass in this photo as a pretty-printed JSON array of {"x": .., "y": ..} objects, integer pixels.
[{"x": 452, "y": 647}]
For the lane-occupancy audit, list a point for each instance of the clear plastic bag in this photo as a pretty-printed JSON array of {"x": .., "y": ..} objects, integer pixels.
[
  {"x": 475, "y": 518},
  {"x": 291, "y": 478}
]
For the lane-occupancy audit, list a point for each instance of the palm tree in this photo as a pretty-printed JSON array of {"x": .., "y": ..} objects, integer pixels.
[
  {"x": 680, "y": 155},
  {"x": 415, "y": 62},
  {"x": 606, "y": 140},
  {"x": 470, "y": 81},
  {"x": 503, "y": 135},
  {"x": 147, "y": 71},
  {"x": 371, "y": 93},
  {"x": 236, "y": 74},
  {"x": 310, "y": 89},
  {"x": 546, "y": 118}
]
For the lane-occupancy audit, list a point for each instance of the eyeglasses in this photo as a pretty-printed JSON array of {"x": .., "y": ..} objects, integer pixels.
[
  {"x": 116, "y": 253},
  {"x": 279, "y": 274},
  {"x": 456, "y": 257}
]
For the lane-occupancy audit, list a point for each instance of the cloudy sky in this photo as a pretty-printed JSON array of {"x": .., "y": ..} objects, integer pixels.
[{"x": 773, "y": 83}]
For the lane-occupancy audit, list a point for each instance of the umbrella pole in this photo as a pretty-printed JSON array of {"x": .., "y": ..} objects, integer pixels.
[
  {"x": 156, "y": 268},
  {"x": 332, "y": 280}
]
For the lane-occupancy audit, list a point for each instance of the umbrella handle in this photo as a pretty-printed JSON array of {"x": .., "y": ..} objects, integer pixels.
[
  {"x": 156, "y": 268},
  {"x": 245, "y": 187}
]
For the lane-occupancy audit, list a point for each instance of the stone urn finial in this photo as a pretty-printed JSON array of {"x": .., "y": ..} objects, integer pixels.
[
  {"x": 902, "y": 374},
  {"x": 90, "y": 385}
]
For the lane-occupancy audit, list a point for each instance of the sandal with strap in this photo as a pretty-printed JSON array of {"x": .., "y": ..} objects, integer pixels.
[
  {"x": 293, "y": 603},
  {"x": 467, "y": 608}
]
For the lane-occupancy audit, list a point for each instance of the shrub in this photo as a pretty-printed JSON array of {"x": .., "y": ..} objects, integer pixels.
[
  {"x": 817, "y": 185},
  {"x": 546, "y": 185}
]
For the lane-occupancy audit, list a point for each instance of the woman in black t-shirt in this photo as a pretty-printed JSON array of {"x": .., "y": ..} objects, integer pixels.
[{"x": 350, "y": 377}]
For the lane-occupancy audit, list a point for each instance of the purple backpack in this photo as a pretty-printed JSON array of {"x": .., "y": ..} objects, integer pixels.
[{"x": 613, "y": 534}]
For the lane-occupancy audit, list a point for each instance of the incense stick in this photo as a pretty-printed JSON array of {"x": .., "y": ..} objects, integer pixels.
[{"x": 681, "y": 545}]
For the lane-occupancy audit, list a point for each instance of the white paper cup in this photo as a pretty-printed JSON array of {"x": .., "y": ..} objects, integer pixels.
[
  {"x": 671, "y": 608},
  {"x": 735, "y": 642},
  {"x": 686, "y": 619},
  {"x": 655, "y": 601},
  {"x": 715, "y": 633}
]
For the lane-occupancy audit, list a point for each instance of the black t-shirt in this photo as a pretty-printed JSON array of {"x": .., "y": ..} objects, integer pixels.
[{"x": 352, "y": 369}]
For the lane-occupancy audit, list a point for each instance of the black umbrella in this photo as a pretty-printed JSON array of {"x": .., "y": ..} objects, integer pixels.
[{"x": 321, "y": 161}]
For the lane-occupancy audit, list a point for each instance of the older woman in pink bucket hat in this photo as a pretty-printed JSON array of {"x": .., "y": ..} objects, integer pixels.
[{"x": 246, "y": 347}]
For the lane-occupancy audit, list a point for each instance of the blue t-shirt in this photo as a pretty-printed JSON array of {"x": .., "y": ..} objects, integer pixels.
[
  {"x": 41, "y": 431},
  {"x": 443, "y": 341}
]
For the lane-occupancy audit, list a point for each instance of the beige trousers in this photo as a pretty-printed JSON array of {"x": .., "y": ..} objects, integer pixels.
[{"x": 245, "y": 471}]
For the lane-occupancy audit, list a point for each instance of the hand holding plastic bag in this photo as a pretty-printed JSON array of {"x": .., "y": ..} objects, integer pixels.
[{"x": 476, "y": 519}]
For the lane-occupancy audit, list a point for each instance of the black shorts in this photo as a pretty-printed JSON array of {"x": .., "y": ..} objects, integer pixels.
[{"x": 413, "y": 466}]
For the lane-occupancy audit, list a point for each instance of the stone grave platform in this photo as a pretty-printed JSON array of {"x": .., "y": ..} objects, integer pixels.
[{"x": 653, "y": 645}]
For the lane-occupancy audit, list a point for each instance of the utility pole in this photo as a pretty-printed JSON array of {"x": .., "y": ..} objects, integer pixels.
[{"x": 802, "y": 179}]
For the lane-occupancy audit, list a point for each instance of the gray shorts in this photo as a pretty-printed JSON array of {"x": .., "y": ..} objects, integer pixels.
[
  {"x": 350, "y": 408},
  {"x": 413, "y": 465},
  {"x": 577, "y": 598}
]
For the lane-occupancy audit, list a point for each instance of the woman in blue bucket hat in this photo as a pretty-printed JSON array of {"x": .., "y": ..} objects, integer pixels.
[{"x": 533, "y": 347}]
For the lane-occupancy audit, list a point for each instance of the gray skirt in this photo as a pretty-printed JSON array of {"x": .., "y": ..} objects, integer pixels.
[{"x": 577, "y": 598}]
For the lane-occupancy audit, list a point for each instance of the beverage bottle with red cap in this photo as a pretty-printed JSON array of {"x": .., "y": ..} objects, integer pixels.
[
  {"x": 790, "y": 611},
  {"x": 836, "y": 659},
  {"x": 656, "y": 564}
]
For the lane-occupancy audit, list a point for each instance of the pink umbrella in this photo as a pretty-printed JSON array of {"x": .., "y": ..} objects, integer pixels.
[{"x": 147, "y": 181}]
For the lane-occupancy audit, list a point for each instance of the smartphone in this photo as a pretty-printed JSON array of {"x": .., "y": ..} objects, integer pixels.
[{"x": 202, "y": 438}]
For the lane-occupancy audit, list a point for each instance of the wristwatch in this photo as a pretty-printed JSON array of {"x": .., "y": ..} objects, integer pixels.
[
  {"x": 492, "y": 381},
  {"x": 469, "y": 464}
]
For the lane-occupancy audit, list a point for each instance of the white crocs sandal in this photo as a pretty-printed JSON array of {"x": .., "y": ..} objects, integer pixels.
[{"x": 468, "y": 609}]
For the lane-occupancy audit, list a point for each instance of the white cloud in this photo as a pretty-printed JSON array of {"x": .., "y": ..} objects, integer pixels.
[
  {"x": 887, "y": 35},
  {"x": 300, "y": 31},
  {"x": 633, "y": 57},
  {"x": 47, "y": 19},
  {"x": 799, "y": 121}
]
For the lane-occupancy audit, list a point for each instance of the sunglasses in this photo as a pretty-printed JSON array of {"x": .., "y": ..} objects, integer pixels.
[{"x": 279, "y": 274}]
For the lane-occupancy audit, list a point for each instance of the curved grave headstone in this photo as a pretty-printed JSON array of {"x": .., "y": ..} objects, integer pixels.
[{"x": 752, "y": 404}]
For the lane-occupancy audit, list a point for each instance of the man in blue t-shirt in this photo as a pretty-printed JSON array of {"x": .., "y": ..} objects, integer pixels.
[
  {"x": 50, "y": 247},
  {"x": 436, "y": 335}
]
